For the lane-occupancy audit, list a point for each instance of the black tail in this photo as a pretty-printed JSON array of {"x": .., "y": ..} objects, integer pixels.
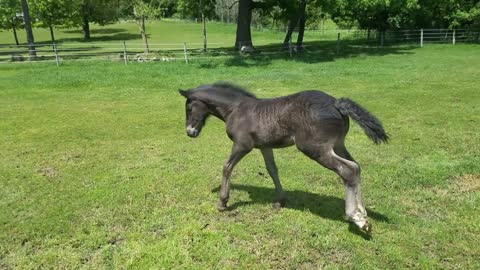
[{"x": 370, "y": 124}]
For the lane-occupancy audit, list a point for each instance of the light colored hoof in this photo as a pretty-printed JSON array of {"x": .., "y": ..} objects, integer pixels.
[
  {"x": 280, "y": 201},
  {"x": 367, "y": 227},
  {"x": 361, "y": 221},
  {"x": 277, "y": 205}
]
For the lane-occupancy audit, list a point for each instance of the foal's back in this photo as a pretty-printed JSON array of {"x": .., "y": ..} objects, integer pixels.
[
  {"x": 302, "y": 106},
  {"x": 276, "y": 122}
]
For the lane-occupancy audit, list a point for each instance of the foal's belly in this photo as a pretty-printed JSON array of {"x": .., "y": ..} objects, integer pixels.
[{"x": 281, "y": 142}]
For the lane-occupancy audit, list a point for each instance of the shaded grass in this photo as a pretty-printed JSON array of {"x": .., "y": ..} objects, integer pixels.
[{"x": 96, "y": 171}]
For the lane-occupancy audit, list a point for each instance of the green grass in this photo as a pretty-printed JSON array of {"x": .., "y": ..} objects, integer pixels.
[{"x": 96, "y": 171}]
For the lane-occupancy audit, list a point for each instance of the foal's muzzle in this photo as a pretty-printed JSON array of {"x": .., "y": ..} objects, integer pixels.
[{"x": 192, "y": 132}]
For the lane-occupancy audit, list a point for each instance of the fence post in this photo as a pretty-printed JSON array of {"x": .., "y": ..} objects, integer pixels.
[
  {"x": 382, "y": 37},
  {"x": 338, "y": 43},
  {"x": 421, "y": 38},
  {"x": 56, "y": 53},
  {"x": 204, "y": 33},
  {"x": 185, "y": 52},
  {"x": 453, "y": 38},
  {"x": 290, "y": 49},
  {"x": 125, "y": 53}
]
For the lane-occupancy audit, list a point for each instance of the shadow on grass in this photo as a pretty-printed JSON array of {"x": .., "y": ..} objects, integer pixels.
[
  {"x": 97, "y": 31},
  {"x": 325, "y": 206},
  {"x": 313, "y": 52},
  {"x": 116, "y": 37}
]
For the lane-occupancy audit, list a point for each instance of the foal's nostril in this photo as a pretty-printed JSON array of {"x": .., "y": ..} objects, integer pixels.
[{"x": 192, "y": 132}]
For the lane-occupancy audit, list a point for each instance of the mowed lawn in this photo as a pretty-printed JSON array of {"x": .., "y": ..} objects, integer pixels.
[{"x": 96, "y": 171}]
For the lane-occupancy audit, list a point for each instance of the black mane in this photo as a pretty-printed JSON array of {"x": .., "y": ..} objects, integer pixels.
[
  {"x": 232, "y": 87},
  {"x": 225, "y": 87}
]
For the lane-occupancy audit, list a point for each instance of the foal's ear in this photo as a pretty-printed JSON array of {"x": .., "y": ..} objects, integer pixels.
[{"x": 183, "y": 93}]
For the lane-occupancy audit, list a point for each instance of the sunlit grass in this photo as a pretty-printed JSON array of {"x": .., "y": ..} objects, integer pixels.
[{"x": 96, "y": 170}]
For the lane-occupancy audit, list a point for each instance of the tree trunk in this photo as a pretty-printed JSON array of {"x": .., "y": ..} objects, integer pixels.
[
  {"x": 86, "y": 27},
  {"x": 144, "y": 34},
  {"x": 28, "y": 29},
  {"x": 52, "y": 36},
  {"x": 244, "y": 35},
  {"x": 15, "y": 36},
  {"x": 291, "y": 26},
  {"x": 301, "y": 25}
]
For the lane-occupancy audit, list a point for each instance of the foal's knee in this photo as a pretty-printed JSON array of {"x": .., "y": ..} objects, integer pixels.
[{"x": 227, "y": 168}]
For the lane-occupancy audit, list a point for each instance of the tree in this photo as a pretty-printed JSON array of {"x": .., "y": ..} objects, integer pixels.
[
  {"x": 374, "y": 14},
  {"x": 11, "y": 17},
  {"x": 243, "y": 36},
  {"x": 447, "y": 13},
  {"x": 97, "y": 11},
  {"x": 225, "y": 10},
  {"x": 53, "y": 13},
  {"x": 143, "y": 11},
  {"x": 204, "y": 9},
  {"x": 301, "y": 23},
  {"x": 28, "y": 29},
  {"x": 197, "y": 8},
  {"x": 295, "y": 11}
]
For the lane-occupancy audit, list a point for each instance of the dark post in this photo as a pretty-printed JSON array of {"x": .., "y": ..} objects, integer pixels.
[
  {"x": 204, "y": 33},
  {"x": 338, "y": 43},
  {"x": 290, "y": 49}
]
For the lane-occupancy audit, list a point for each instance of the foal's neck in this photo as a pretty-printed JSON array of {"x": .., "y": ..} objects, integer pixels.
[{"x": 223, "y": 110}]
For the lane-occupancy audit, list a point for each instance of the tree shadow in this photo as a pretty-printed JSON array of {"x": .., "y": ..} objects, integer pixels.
[
  {"x": 325, "y": 206},
  {"x": 104, "y": 31},
  {"x": 116, "y": 37},
  {"x": 312, "y": 52}
]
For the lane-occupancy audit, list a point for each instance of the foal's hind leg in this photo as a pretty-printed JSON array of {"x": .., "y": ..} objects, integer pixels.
[
  {"x": 273, "y": 172},
  {"x": 354, "y": 209},
  {"x": 349, "y": 171},
  {"x": 342, "y": 152}
]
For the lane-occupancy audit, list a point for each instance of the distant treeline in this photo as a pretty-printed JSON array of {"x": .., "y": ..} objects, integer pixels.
[{"x": 377, "y": 15}]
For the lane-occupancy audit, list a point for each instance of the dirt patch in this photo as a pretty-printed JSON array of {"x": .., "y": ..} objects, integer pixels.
[
  {"x": 48, "y": 172},
  {"x": 467, "y": 183}
]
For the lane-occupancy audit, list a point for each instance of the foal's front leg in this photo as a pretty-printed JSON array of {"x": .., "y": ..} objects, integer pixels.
[
  {"x": 273, "y": 172},
  {"x": 238, "y": 152}
]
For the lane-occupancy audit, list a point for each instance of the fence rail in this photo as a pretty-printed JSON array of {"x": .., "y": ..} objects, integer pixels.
[{"x": 336, "y": 39}]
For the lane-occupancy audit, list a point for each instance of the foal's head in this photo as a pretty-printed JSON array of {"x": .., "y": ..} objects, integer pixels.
[
  {"x": 196, "y": 112},
  {"x": 211, "y": 99}
]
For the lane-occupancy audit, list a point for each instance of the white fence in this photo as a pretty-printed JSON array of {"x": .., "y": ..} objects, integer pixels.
[{"x": 315, "y": 40}]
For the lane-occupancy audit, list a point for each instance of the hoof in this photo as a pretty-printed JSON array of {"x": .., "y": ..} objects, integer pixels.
[
  {"x": 361, "y": 222},
  {"x": 221, "y": 206},
  {"x": 277, "y": 205},
  {"x": 367, "y": 228}
]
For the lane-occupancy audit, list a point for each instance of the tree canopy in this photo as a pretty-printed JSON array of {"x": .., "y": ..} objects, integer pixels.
[{"x": 287, "y": 14}]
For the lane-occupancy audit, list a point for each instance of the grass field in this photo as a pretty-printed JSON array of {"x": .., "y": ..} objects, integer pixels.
[{"x": 96, "y": 171}]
